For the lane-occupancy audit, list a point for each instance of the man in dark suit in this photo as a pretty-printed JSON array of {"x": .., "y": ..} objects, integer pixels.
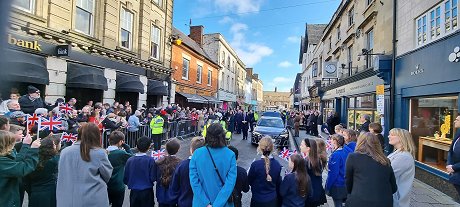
[
  {"x": 365, "y": 120},
  {"x": 245, "y": 125},
  {"x": 251, "y": 120},
  {"x": 453, "y": 158},
  {"x": 238, "y": 121}
]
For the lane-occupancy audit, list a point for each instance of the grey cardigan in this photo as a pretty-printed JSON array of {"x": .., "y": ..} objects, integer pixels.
[
  {"x": 403, "y": 165},
  {"x": 82, "y": 183}
]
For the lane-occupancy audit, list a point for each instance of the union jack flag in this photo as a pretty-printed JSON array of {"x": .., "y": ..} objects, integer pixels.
[
  {"x": 65, "y": 108},
  {"x": 68, "y": 137},
  {"x": 32, "y": 119},
  {"x": 285, "y": 154},
  {"x": 329, "y": 146},
  {"x": 51, "y": 123},
  {"x": 158, "y": 154}
]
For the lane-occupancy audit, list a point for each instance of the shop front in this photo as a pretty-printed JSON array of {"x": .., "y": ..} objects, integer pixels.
[
  {"x": 228, "y": 100},
  {"x": 428, "y": 108},
  {"x": 85, "y": 83},
  {"x": 128, "y": 88},
  {"x": 155, "y": 91}
]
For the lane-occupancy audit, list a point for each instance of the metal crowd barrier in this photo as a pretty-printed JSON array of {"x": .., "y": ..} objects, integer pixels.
[{"x": 178, "y": 129}]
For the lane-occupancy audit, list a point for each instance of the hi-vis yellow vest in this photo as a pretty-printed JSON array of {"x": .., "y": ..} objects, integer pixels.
[
  {"x": 256, "y": 116},
  {"x": 228, "y": 135},
  {"x": 157, "y": 125}
]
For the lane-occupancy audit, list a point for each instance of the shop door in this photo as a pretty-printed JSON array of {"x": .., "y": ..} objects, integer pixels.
[{"x": 132, "y": 97}]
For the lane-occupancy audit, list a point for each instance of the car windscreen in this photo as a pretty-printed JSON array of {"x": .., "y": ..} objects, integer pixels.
[
  {"x": 272, "y": 114},
  {"x": 277, "y": 123}
]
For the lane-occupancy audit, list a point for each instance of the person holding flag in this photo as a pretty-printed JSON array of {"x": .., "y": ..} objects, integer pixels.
[{"x": 157, "y": 125}]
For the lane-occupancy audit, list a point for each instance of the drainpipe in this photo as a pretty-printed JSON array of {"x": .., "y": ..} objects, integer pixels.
[{"x": 393, "y": 70}]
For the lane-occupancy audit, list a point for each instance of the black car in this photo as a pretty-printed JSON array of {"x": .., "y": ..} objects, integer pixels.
[
  {"x": 272, "y": 114},
  {"x": 273, "y": 127}
]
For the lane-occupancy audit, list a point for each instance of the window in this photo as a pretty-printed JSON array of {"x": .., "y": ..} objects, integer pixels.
[
  {"x": 185, "y": 68},
  {"x": 84, "y": 16},
  {"x": 234, "y": 66},
  {"x": 360, "y": 106},
  {"x": 314, "y": 70},
  {"x": 222, "y": 79},
  {"x": 26, "y": 5},
  {"x": 351, "y": 16},
  {"x": 435, "y": 22},
  {"x": 223, "y": 58},
  {"x": 330, "y": 43},
  {"x": 338, "y": 33},
  {"x": 159, "y": 3},
  {"x": 209, "y": 77},
  {"x": 450, "y": 15},
  {"x": 369, "y": 2},
  {"x": 350, "y": 60},
  {"x": 232, "y": 84},
  {"x": 370, "y": 47},
  {"x": 199, "y": 70},
  {"x": 228, "y": 83},
  {"x": 155, "y": 42},
  {"x": 126, "y": 28},
  {"x": 228, "y": 63},
  {"x": 432, "y": 127}
]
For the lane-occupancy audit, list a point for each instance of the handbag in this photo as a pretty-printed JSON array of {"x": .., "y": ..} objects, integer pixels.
[{"x": 233, "y": 197}]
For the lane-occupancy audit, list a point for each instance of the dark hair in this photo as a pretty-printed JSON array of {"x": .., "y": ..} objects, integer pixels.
[
  {"x": 339, "y": 138},
  {"x": 172, "y": 146},
  {"x": 122, "y": 113},
  {"x": 46, "y": 151},
  {"x": 143, "y": 144},
  {"x": 234, "y": 151},
  {"x": 3, "y": 122},
  {"x": 313, "y": 157},
  {"x": 376, "y": 127},
  {"x": 90, "y": 137},
  {"x": 116, "y": 137},
  {"x": 215, "y": 136},
  {"x": 302, "y": 177}
]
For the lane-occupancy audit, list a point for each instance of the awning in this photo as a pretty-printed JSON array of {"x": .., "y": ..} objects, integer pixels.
[
  {"x": 212, "y": 99},
  {"x": 24, "y": 67},
  {"x": 155, "y": 87},
  {"x": 129, "y": 83},
  {"x": 82, "y": 76},
  {"x": 193, "y": 98}
]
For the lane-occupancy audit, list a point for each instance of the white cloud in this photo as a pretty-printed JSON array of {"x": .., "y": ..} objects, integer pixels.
[
  {"x": 240, "y": 6},
  {"x": 285, "y": 64},
  {"x": 282, "y": 84},
  {"x": 293, "y": 39},
  {"x": 281, "y": 80},
  {"x": 225, "y": 20},
  {"x": 250, "y": 52}
]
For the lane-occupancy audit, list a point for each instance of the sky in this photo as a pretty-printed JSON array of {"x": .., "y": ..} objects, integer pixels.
[{"x": 264, "y": 33}]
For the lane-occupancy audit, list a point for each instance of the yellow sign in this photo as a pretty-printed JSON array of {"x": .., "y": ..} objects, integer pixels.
[
  {"x": 34, "y": 45},
  {"x": 380, "y": 89}
]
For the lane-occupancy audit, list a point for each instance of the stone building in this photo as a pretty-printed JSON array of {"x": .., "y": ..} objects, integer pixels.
[
  {"x": 91, "y": 50},
  {"x": 274, "y": 100}
]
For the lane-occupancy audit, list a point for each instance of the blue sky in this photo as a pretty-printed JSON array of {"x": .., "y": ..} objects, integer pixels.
[{"x": 264, "y": 33}]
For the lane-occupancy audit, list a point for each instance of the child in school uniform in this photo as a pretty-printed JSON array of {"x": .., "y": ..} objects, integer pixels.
[
  {"x": 14, "y": 166},
  {"x": 296, "y": 186},
  {"x": 140, "y": 175},
  {"x": 242, "y": 184},
  {"x": 119, "y": 153},
  {"x": 335, "y": 183},
  {"x": 166, "y": 167},
  {"x": 180, "y": 189}
]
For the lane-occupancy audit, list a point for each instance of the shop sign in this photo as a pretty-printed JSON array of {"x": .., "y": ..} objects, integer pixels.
[
  {"x": 63, "y": 50},
  {"x": 33, "y": 45},
  {"x": 455, "y": 56},
  {"x": 362, "y": 86},
  {"x": 380, "y": 104}
]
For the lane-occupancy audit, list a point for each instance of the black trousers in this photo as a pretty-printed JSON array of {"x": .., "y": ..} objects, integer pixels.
[
  {"x": 252, "y": 126},
  {"x": 457, "y": 187},
  {"x": 116, "y": 198},
  {"x": 142, "y": 198},
  {"x": 156, "y": 140},
  {"x": 238, "y": 127},
  {"x": 167, "y": 205},
  {"x": 314, "y": 130},
  {"x": 245, "y": 132},
  {"x": 272, "y": 203}
]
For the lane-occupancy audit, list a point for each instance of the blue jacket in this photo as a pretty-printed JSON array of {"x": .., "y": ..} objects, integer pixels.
[
  {"x": 290, "y": 193},
  {"x": 133, "y": 123},
  {"x": 180, "y": 189},
  {"x": 350, "y": 147},
  {"x": 206, "y": 185},
  {"x": 140, "y": 172},
  {"x": 262, "y": 190},
  {"x": 336, "y": 165}
]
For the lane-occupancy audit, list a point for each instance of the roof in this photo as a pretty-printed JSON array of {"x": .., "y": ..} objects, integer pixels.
[
  {"x": 313, "y": 33},
  {"x": 186, "y": 40}
]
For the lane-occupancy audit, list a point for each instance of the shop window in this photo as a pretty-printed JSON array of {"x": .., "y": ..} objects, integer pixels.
[
  {"x": 25, "y": 5},
  {"x": 358, "y": 107},
  {"x": 126, "y": 34},
  {"x": 155, "y": 42},
  {"x": 84, "y": 16},
  {"x": 432, "y": 127}
]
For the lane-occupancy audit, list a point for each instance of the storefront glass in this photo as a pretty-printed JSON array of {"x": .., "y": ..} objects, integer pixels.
[
  {"x": 328, "y": 107},
  {"x": 432, "y": 127},
  {"x": 357, "y": 107}
]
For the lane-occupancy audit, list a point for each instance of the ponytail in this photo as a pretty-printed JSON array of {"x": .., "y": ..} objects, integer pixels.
[{"x": 267, "y": 165}]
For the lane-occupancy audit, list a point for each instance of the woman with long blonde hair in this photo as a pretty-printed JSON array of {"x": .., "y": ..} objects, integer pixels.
[
  {"x": 369, "y": 177},
  {"x": 264, "y": 176},
  {"x": 403, "y": 163}
]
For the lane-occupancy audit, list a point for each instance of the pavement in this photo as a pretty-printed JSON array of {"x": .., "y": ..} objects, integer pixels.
[{"x": 422, "y": 194}]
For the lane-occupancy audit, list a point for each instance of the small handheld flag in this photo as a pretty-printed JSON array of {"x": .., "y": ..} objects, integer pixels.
[
  {"x": 68, "y": 137},
  {"x": 65, "y": 108},
  {"x": 285, "y": 154},
  {"x": 158, "y": 154}
]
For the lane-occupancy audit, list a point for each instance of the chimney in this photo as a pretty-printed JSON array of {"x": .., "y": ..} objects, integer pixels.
[
  {"x": 276, "y": 89},
  {"x": 196, "y": 34}
]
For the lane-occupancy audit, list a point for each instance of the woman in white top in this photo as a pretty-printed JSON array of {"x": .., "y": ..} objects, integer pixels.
[{"x": 403, "y": 164}]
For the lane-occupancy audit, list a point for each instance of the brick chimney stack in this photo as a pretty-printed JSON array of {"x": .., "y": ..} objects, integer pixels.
[{"x": 196, "y": 34}]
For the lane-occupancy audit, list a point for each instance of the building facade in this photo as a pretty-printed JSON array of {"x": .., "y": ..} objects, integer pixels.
[
  {"x": 195, "y": 75},
  {"x": 221, "y": 52},
  {"x": 274, "y": 100},
  {"x": 427, "y": 82},
  {"x": 56, "y": 45},
  {"x": 241, "y": 85}
]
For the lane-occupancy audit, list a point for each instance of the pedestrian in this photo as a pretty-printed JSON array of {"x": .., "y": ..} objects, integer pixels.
[
  {"x": 4, "y": 123},
  {"x": 335, "y": 183},
  {"x": 367, "y": 168},
  {"x": 41, "y": 183},
  {"x": 264, "y": 176},
  {"x": 118, "y": 153},
  {"x": 377, "y": 129},
  {"x": 111, "y": 123},
  {"x": 296, "y": 186},
  {"x": 251, "y": 120},
  {"x": 231, "y": 122},
  {"x": 166, "y": 167},
  {"x": 297, "y": 124},
  {"x": 365, "y": 120},
  {"x": 140, "y": 175},
  {"x": 245, "y": 125},
  {"x": 31, "y": 100},
  {"x": 238, "y": 121},
  {"x": 350, "y": 140},
  {"x": 213, "y": 184},
  {"x": 315, "y": 167},
  {"x": 319, "y": 122},
  {"x": 12, "y": 169},
  {"x": 180, "y": 188},
  {"x": 314, "y": 124},
  {"x": 86, "y": 167},
  {"x": 156, "y": 125},
  {"x": 453, "y": 158},
  {"x": 322, "y": 151},
  {"x": 338, "y": 129},
  {"x": 403, "y": 164},
  {"x": 242, "y": 184}
]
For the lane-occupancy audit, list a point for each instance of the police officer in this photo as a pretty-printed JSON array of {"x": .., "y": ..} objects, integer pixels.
[
  {"x": 218, "y": 119},
  {"x": 156, "y": 125}
]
